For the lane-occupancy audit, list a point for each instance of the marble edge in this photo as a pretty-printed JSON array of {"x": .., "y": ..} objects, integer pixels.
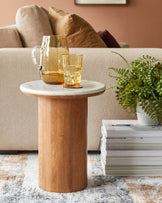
[{"x": 55, "y": 93}]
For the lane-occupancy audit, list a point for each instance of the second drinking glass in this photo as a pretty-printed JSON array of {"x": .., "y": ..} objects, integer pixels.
[{"x": 72, "y": 67}]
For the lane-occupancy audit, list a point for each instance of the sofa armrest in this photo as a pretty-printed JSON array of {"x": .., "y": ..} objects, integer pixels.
[{"x": 18, "y": 118}]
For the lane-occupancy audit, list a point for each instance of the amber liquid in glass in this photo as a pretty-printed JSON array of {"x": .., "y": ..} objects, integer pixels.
[{"x": 72, "y": 76}]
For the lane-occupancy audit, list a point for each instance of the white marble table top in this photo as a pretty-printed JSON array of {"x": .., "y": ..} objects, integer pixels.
[{"x": 38, "y": 87}]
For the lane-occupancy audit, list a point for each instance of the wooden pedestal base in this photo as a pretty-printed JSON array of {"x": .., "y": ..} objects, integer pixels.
[
  {"x": 62, "y": 143},
  {"x": 62, "y": 127}
]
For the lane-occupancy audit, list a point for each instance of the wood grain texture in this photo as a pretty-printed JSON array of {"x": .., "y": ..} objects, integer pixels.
[{"x": 62, "y": 144}]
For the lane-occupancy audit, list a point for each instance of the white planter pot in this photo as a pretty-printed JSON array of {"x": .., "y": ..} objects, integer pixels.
[{"x": 143, "y": 118}]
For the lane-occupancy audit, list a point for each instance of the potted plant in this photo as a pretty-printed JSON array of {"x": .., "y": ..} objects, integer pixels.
[{"x": 139, "y": 87}]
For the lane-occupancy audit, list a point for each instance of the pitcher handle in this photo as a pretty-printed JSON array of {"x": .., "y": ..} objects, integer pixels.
[{"x": 36, "y": 51}]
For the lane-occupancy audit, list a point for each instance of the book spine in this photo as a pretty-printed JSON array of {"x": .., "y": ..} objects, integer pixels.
[
  {"x": 133, "y": 173},
  {"x": 110, "y": 131},
  {"x": 142, "y": 167},
  {"x": 132, "y": 140},
  {"x": 131, "y": 146},
  {"x": 131, "y": 153},
  {"x": 131, "y": 161}
]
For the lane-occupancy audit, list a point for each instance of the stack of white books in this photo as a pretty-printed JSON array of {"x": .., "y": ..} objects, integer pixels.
[{"x": 130, "y": 149}]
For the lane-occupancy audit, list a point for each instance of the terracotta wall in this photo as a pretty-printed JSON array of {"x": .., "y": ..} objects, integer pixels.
[{"x": 138, "y": 23}]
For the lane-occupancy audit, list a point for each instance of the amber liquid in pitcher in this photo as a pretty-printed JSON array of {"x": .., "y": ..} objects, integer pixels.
[
  {"x": 52, "y": 70},
  {"x": 54, "y": 78}
]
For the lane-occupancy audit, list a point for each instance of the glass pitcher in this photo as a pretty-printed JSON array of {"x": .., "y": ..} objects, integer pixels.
[{"x": 49, "y": 56}]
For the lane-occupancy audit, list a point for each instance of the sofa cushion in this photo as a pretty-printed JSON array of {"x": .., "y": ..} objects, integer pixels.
[
  {"x": 78, "y": 31},
  {"x": 9, "y": 37},
  {"x": 109, "y": 40},
  {"x": 32, "y": 23}
]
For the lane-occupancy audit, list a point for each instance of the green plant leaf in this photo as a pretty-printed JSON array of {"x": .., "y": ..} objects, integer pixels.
[
  {"x": 140, "y": 82},
  {"x": 121, "y": 57}
]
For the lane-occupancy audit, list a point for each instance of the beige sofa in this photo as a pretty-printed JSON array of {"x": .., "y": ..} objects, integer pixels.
[{"x": 18, "y": 119}]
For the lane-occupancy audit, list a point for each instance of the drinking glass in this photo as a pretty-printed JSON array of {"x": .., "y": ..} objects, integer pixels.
[
  {"x": 49, "y": 57},
  {"x": 72, "y": 67}
]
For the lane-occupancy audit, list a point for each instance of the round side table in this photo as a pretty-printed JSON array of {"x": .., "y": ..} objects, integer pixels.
[{"x": 62, "y": 127}]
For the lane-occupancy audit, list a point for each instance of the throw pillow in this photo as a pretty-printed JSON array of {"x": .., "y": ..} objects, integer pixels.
[
  {"x": 9, "y": 37},
  {"x": 109, "y": 40},
  {"x": 32, "y": 23},
  {"x": 78, "y": 31}
]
